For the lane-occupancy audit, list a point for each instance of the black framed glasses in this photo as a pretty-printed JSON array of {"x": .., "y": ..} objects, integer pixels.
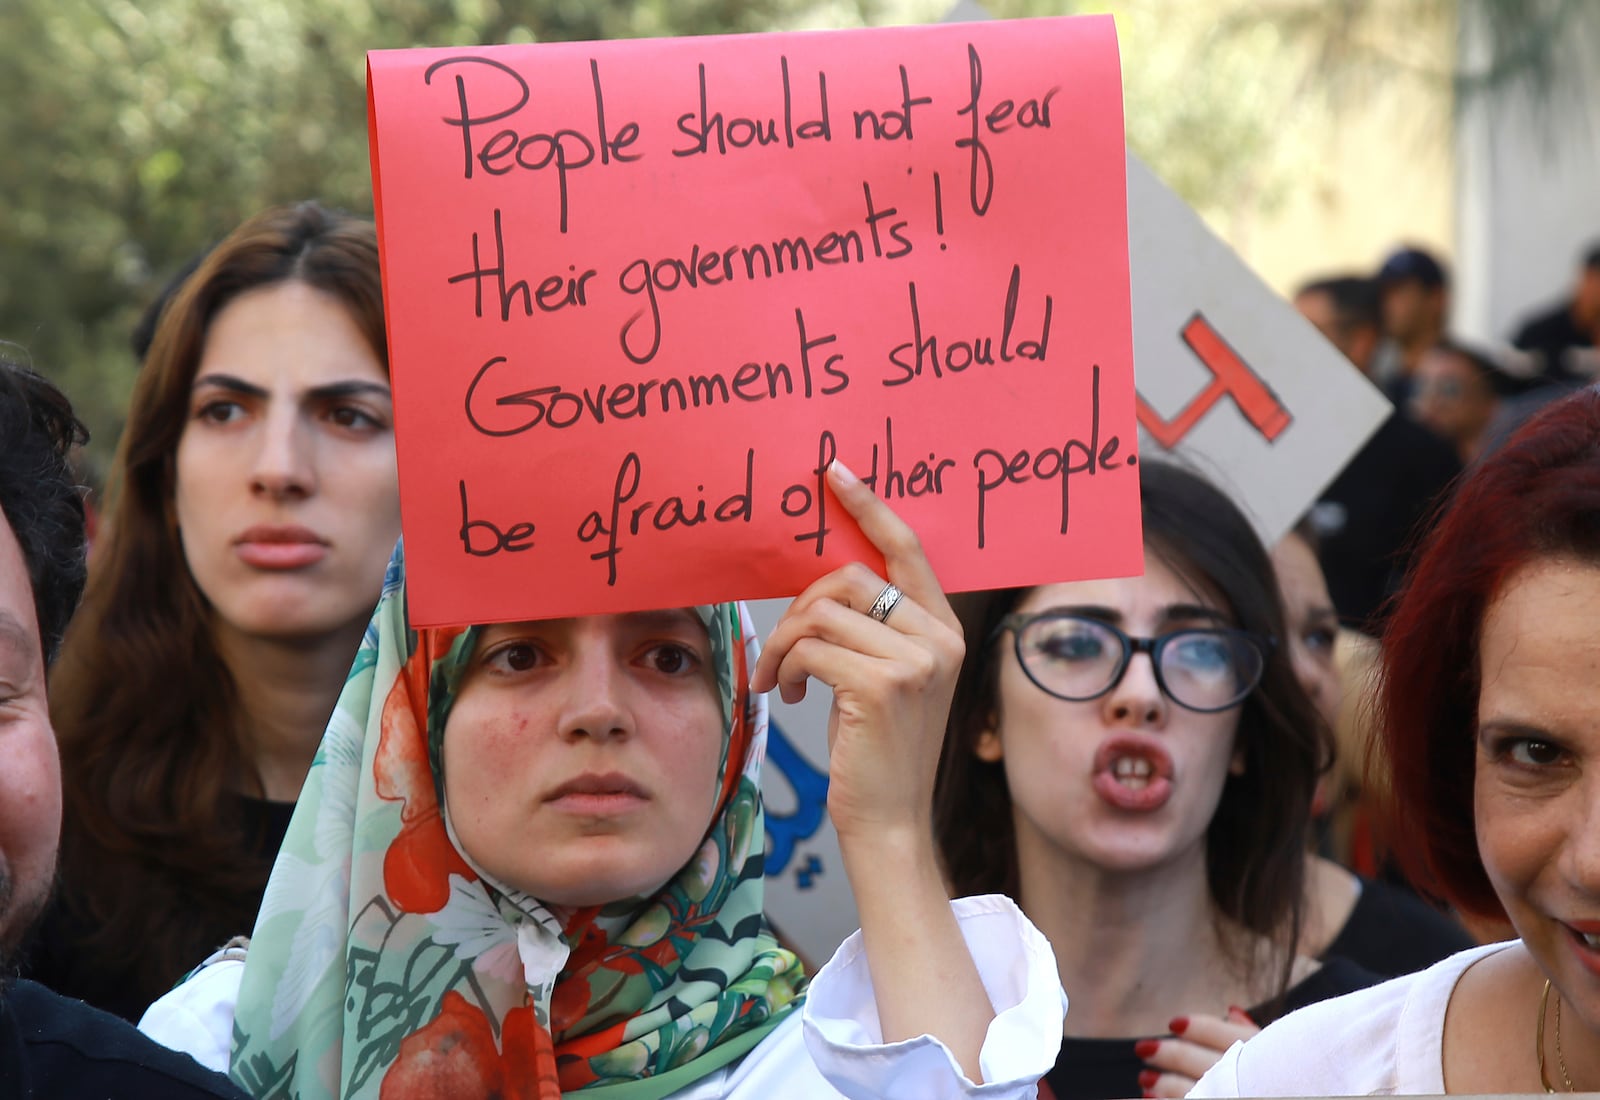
[{"x": 1077, "y": 658}]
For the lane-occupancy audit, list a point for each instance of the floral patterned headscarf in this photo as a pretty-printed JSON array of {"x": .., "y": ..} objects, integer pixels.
[{"x": 385, "y": 965}]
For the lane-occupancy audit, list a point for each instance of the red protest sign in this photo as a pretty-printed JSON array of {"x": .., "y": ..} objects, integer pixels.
[{"x": 640, "y": 294}]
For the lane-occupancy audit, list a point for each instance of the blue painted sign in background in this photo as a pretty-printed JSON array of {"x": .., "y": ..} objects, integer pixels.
[{"x": 808, "y": 896}]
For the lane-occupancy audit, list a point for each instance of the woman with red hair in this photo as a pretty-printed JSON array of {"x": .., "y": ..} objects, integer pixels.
[{"x": 1490, "y": 727}]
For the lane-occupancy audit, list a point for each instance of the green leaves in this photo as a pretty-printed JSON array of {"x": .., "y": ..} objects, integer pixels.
[{"x": 137, "y": 132}]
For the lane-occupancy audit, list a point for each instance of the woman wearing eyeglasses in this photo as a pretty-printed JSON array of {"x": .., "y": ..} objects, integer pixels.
[{"x": 1133, "y": 761}]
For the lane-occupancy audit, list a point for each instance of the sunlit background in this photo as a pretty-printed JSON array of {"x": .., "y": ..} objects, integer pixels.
[{"x": 1314, "y": 135}]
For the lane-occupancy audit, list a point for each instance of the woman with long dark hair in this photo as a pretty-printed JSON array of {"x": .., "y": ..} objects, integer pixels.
[
  {"x": 254, "y": 506},
  {"x": 1133, "y": 761}
]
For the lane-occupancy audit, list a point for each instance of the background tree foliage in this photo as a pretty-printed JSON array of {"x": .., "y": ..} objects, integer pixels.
[
  {"x": 137, "y": 131},
  {"x": 1220, "y": 93}
]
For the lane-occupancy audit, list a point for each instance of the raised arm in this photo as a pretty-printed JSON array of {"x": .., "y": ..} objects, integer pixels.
[{"x": 892, "y": 678}]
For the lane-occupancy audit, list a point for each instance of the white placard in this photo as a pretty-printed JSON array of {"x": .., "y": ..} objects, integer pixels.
[{"x": 1231, "y": 377}]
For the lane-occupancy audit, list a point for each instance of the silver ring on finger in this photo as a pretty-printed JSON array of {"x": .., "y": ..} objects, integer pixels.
[{"x": 887, "y": 601}]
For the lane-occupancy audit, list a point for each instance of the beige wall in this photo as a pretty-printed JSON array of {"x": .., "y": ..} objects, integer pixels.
[
  {"x": 1346, "y": 173},
  {"x": 1366, "y": 190}
]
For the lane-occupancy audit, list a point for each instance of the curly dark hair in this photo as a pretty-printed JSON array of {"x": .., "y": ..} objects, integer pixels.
[{"x": 40, "y": 495}]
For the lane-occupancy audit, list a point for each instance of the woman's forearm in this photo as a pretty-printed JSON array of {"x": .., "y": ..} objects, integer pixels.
[{"x": 923, "y": 977}]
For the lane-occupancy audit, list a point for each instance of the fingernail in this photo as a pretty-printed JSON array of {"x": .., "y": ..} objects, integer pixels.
[
  {"x": 842, "y": 473},
  {"x": 1148, "y": 1078},
  {"x": 1146, "y": 1048},
  {"x": 1235, "y": 1010},
  {"x": 1178, "y": 1025}
]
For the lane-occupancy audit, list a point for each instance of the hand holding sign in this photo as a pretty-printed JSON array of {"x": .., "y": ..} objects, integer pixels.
[
  {"x": 890, "y": 652},
  {"x": 641, "y": 294},
  {"x": 892, "y": 673}
]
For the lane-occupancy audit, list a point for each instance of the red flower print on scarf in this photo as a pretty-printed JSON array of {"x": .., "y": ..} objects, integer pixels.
[
  {"x": 455, "y": 1056},
  {"x": 420, "y": 860}
]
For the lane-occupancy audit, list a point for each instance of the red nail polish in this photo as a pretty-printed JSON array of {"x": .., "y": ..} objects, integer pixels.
[
  {"x": 1146, "y": 1048},
  {"x": 1241, "y": 1013},
  {"x": 1148, "y": 1079},
  {"x": 1178, "y": 1025}
]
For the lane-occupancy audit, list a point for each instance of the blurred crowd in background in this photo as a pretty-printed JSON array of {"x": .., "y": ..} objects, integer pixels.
[{"x": 141, "y": 252}]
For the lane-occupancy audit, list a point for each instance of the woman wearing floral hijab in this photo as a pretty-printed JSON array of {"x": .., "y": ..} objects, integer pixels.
[{"x": 500, "y": 882}]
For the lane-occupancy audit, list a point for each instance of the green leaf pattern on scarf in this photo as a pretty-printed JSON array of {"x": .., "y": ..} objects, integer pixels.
[{"x": 348, "y": 993}]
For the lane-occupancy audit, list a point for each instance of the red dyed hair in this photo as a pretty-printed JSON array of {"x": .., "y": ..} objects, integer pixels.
[{"x": 1537, "y": 497}]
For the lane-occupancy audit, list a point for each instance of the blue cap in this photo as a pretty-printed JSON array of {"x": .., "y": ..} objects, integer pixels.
[{"x": 1408, "y": 264}]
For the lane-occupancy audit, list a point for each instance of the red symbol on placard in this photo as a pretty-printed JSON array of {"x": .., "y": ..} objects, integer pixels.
[{"x": 1231, "y": 377}]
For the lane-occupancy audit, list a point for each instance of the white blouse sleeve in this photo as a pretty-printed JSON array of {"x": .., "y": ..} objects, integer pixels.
[
  {"x": 835, "y": 1041},
  {"x": 1385, "y": 1040},
  {"x": 845, "y": 1042},
  {"x": 1222, "y": 1079},
  {"x": 197, "y": 1017}
]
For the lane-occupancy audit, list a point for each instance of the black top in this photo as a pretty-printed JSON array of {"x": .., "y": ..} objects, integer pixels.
[
  {"x": 54, "y": 1047},
  {"x": 1549, "y": 336},
  {"x": 1104, "y": 1069},
  {"x": 1391, "y": 932},
  {"x": 55, "y": 958},
  {"x": 1366, "y": 517}
]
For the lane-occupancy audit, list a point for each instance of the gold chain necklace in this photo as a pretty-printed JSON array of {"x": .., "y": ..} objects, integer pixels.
[{"x": 1538, "y": 1041}]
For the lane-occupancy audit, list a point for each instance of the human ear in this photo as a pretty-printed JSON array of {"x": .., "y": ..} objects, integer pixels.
[{"x": 988, "y": 747}]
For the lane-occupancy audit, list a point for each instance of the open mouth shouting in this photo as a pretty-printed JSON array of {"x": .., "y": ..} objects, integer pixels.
[{"x": 1133, "y": 774}]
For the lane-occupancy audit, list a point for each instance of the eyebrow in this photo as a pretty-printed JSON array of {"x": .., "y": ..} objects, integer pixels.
[
  {"x": 350, "y": 388},
  {"x": 1517, "y": 728},
  {"x": 1178, "y": 612},
  {"x": 662, "y": 619},
  {"x": 671, "y": 616}
]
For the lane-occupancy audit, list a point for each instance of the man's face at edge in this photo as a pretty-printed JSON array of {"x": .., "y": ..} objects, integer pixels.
[{"x": 30, "y": 771}]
